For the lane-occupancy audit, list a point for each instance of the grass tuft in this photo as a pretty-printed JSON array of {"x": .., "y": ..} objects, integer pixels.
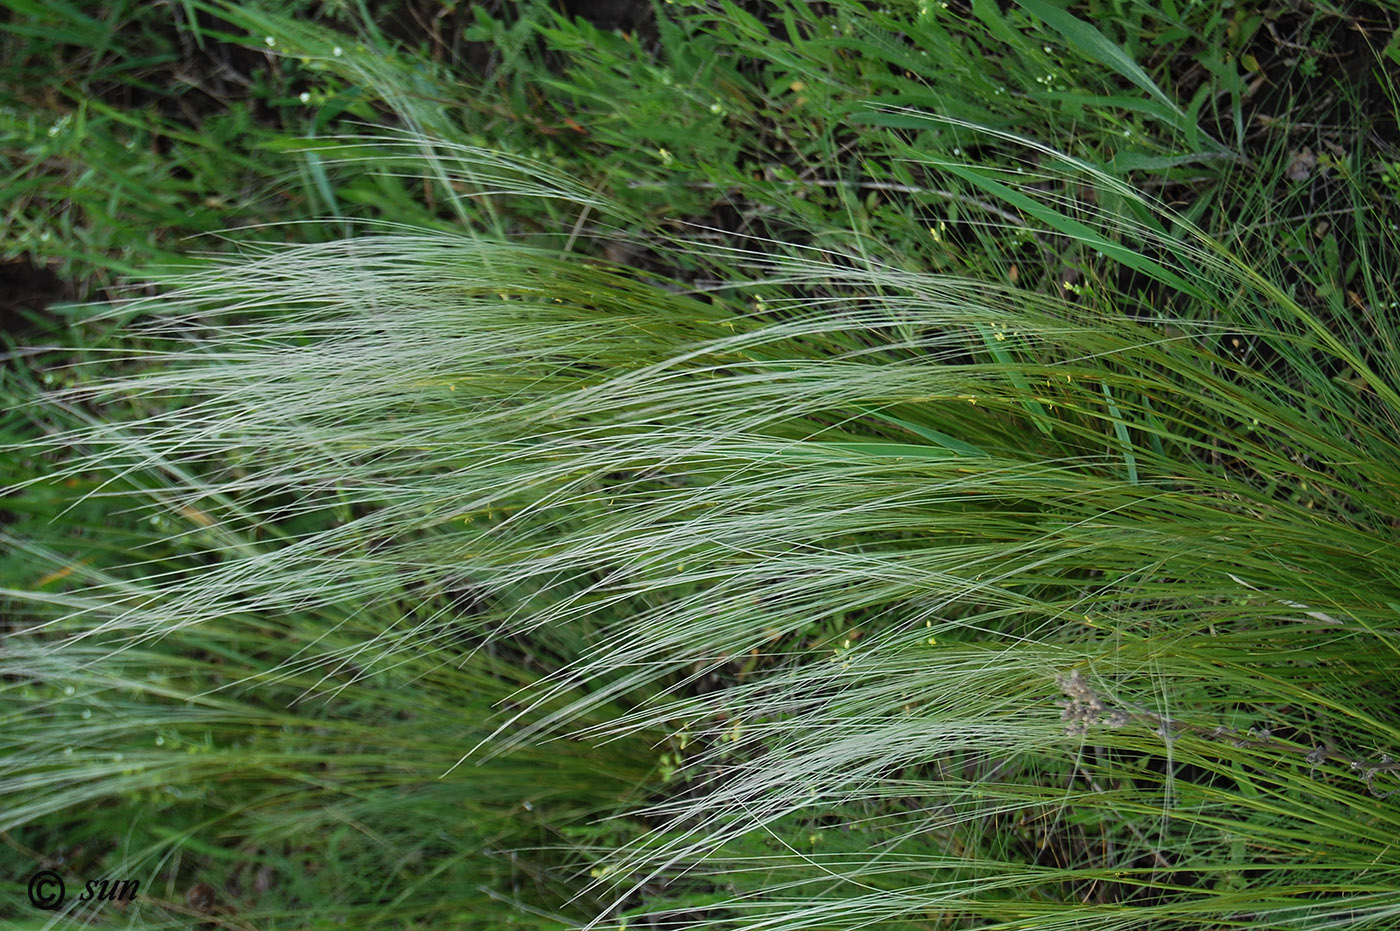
[{"x": 545, "y": 559}]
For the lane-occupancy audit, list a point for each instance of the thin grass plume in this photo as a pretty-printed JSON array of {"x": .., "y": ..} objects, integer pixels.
[{"x": 944, "y": 603}]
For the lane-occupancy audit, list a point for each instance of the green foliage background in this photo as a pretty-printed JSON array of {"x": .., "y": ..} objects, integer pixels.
[{"x": 708, "y": 465}]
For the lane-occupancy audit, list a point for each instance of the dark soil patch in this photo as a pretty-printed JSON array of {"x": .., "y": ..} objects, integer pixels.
[{"x": 26, "y": 292}]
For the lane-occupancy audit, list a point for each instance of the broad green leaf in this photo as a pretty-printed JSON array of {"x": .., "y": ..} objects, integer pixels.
[
  {"x": 1138, "y": 161},
  {"x": 899, "y": 450},
  {"x": 1150, "y": 108},
  {"x": 1035, "y": 408},
  {"x": 826, "y": 448},
  {"x": 1084, "y": 37},
  {"x": 1074, "y": 229},
  {"x": 933, "y": 436},
  {"x": 1095, "y": 45},
  {"x": 1120, "y": 430}
]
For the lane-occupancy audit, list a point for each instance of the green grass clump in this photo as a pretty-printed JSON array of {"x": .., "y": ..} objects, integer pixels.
[{"x": 962, "y": 537}]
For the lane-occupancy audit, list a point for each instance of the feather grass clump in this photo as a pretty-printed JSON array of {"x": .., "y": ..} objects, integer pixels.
[{"x": 945, "y": 605}]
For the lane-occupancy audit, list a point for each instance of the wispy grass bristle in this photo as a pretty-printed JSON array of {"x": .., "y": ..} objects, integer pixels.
[{"x": 1016, "y": 611}]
